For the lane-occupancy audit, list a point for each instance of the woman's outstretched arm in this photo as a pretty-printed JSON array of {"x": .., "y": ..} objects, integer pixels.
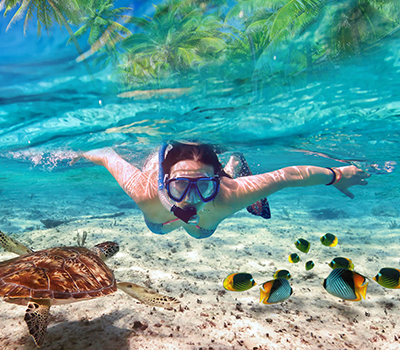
[
  {"x": 243, "y": 191},
  {"x": 138, "y": 185}
]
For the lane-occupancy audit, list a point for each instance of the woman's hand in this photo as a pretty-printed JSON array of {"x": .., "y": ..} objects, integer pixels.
[
  {"x": 75, "y": 159},
  {"x": 351, "y": 176}
]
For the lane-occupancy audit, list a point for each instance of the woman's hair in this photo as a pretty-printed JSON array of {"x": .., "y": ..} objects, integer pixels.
[{"x": 192, "y": 151}]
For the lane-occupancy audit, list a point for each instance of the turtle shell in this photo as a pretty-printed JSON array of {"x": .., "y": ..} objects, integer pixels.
[{"x": 62, "y": 275}]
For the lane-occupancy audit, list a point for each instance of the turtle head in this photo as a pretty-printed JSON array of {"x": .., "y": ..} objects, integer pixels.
[{"x": 105, "y": 250}]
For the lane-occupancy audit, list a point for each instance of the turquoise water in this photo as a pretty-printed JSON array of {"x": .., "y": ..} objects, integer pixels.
[
  {"x": 349, "y": 111},
  {"x": 345, "y": 112}
]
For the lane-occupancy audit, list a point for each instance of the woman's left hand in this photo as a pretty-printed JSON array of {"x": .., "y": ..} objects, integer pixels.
[{"x": 351, "y": 176}]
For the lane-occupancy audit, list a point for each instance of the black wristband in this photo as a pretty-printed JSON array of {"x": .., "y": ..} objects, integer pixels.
[{"x": 334, "y": 177}]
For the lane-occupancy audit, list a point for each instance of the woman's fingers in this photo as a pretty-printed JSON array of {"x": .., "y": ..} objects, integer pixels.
[
  {"x": 347, "y": 193},
  {"x": 74, "y": 160}
]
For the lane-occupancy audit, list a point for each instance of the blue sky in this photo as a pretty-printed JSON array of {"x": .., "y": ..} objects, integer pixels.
[{"x": 17, "y": 48}]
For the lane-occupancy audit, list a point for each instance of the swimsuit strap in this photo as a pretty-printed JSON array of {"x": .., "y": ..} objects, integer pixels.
[{"x": 170, "y": 221}]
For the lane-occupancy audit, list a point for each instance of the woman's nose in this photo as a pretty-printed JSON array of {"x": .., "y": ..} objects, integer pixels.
[{"x": 192, "y": 196}]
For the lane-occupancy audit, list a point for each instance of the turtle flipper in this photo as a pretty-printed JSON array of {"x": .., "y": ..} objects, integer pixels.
[
  {"x": 148, "y": 296},
  {"x": 12, "y": 245},
  {"x": 37, "y": 319}
]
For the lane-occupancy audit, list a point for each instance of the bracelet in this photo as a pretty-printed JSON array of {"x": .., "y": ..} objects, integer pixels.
[{"x": 335, "y": 179}]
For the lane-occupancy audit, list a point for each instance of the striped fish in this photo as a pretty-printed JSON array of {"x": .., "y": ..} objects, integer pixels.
[
  {"x": 346, "y": 284},
  {"x": 388, "y": 277},
  {"x": 239, "y": 282},
  {"x": 275, "y": 291}
]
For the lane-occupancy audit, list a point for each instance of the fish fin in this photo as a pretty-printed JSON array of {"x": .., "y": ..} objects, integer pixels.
[
  {"x": 265, "y": 289},
  {"x": 263, "y": 295},
  {"x": 362, "y": 290},
  {"x": 228, "y": 282},
  {"x": 335, "y": 242}
]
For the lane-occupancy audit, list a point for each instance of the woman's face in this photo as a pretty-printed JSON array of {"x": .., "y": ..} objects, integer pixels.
[{"x": 191, "y": 169}]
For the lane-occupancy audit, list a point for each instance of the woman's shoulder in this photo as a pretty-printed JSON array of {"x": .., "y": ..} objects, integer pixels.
[{"x": 151, "y": 163}]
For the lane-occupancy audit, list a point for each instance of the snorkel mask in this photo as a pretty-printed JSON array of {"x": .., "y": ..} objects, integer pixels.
[
  {"x": 188, "y": 214},
  {"x": 202, "y": 188}
]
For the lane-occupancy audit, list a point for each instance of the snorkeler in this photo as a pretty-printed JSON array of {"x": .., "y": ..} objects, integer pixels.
[{"x": 187, "y": 187}]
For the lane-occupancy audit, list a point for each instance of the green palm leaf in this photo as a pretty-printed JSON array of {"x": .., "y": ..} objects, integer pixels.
[{"x": 291, "y": 11}]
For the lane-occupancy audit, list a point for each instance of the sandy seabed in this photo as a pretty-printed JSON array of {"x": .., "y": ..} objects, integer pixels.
[{"x": 193, "y": 270}]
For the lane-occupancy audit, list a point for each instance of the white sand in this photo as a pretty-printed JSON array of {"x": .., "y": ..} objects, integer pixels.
[{"x": 193, "y": 271}]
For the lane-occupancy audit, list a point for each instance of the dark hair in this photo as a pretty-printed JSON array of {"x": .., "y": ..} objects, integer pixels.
[{"x": 192, "y": 151}]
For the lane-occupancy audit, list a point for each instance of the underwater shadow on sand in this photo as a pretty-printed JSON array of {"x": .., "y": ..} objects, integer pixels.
[{"x": 99, "y": 333}]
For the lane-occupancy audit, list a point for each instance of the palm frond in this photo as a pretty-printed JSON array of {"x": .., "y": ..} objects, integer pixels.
[
  {"x": 19, "y": 14},
  {"x": 289, "y": 12},
  {"x": 119, "y": 28},
  {"x": 140, "y": 22}
]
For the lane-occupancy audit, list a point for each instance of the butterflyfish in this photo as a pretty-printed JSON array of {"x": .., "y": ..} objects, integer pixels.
[
  {"x": 343, "y": 263},
  {"x": 239, "y": 282},
  {"x": 346, "y": 284},
  {"x": 329, "y": 240},
  {"x": 309, "y": 265},
  {"x": 275, "y": 291},
  {"x": 294, "y": 258},
  {"x": 303, "y": 245},
  {"x": 388, "y": 277},
  {"x": 283, "y": 274}
]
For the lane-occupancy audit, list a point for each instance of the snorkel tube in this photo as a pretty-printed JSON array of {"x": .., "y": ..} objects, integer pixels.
[{"x": 189, "y": 214}]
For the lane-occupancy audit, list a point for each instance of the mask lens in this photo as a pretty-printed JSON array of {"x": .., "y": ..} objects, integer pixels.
[
  {"x": 177, "y": 189},
  {"x": 207, "y": 188}
]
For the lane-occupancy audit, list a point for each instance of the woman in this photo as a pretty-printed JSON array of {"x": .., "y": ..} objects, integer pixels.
[{"x": 188, "y": 187}]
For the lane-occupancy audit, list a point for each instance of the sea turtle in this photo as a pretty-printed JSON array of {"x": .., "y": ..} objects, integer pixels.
[{"x": 63, "y": 275}]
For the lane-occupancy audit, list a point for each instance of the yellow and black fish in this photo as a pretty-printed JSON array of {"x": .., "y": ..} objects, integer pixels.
[
  {"x": 283, "y": 274},
  {"x": 275, "y": 291},
  {"x": 294, "y": 258},
  {"x": 309, "y": 265},
  {"x": 239, "y": 282},
  {"x": 346, "y": 284},
  {"x": 303, "y": 245},
  {"x": 343, "y": 263},
  {"x": 329, "y": 240},
  {"x": 388, "y": 277}
]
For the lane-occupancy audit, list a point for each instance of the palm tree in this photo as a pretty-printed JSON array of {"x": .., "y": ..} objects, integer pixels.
[
  {"x": 356, "y": 25},
  {"x": 248, "y": 39},
  {"x": 47, "y": 12},
  {"x": 178, "y": 37},
  {"x": 289, "y": 19},
  {"x": 100, "y": 20},
  {"x": 294, "y": 33}
]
